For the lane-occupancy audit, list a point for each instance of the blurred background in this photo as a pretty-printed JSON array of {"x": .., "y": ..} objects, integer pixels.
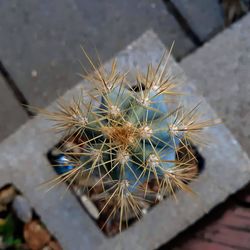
[
  {"x": 40, "y": 53},
  {"x": 40, "y": 41}
]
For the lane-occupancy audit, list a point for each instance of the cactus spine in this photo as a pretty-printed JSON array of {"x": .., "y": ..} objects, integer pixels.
[{"x": 129, "y": 140}]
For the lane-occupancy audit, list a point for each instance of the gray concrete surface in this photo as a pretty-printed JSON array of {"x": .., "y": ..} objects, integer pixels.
[
  {"x": 27, "y": 166},
  {"x": 221, "y": 72},
  {"x": 204, "y": 17},
  {"x": 40, "y": 40},
  {"x": 12, "y": 114}
]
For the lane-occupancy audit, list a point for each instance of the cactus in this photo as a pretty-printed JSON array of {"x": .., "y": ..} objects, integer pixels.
[{"x": 128, "y": 137}]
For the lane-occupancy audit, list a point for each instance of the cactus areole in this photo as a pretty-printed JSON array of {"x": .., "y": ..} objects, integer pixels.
[{"x": 128, "y": 137}]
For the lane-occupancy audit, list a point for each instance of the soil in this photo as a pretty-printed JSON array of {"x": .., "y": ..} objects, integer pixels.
[{"x": 20, "y": 227}]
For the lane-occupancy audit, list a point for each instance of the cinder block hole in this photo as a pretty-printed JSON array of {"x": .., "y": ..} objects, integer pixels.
[
  {"x": 20, "y": 226},
  {"x": 111, "y": 228}
]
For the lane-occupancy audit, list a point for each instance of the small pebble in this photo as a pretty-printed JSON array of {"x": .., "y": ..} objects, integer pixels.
[
  {"x": 7, "y": 195},
  {"x": 144, "y": 211},
  {"x": 91, "y": 208},
  {"x": 159, "y": 197},
  {"x": 34, "y": 73},
  {"x": 153, "y": 5},
  {"x": 22, "y": 208},
  {"x": 77, "y": 190},
  {"x": 53, "y": 63},
  {"x": 35, "y": 235}
]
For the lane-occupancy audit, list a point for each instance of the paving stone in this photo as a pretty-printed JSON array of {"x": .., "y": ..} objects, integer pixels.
[
  {"x": 12, "y": 114},
  {"x": 221, "y": 73},
  {"x": 204, "y": 17},
  {"x": 41, "y": 42},
  {"x": 65, "y": 218}
]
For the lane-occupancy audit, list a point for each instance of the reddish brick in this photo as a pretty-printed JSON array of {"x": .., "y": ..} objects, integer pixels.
[
  {"x": 198, "y": 244},
  {"x": 246, "y": 199},
  {"x": 227, "y": 236},
  {"x": 244, "y": 196},
  {"x": 243, "y": 212},
  {"x": 230, "y": 218}
]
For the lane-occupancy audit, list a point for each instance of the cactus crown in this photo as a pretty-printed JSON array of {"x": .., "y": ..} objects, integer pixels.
[{"x": 129, "y": 139}]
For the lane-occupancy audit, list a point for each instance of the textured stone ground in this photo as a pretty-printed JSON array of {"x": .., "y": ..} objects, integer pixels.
[
  {"x": 12, "y": 114},
  {"x": 220, "y": 70},
  {"x": 204, "y": 17},
  {"x": 39, "y": 48},
  {"x": 40, "y": 41},
  {"x": 28, "y": 168}
]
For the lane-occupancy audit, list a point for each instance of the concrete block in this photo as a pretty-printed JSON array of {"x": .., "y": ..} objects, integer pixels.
[
  {"x": 40, "y": 41},
  {"x": 204, "y": 17},
  {"x": 12, "y": 114},
  {"x": 27, "y": 166},
  {"x": 220, "y": 70}
]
